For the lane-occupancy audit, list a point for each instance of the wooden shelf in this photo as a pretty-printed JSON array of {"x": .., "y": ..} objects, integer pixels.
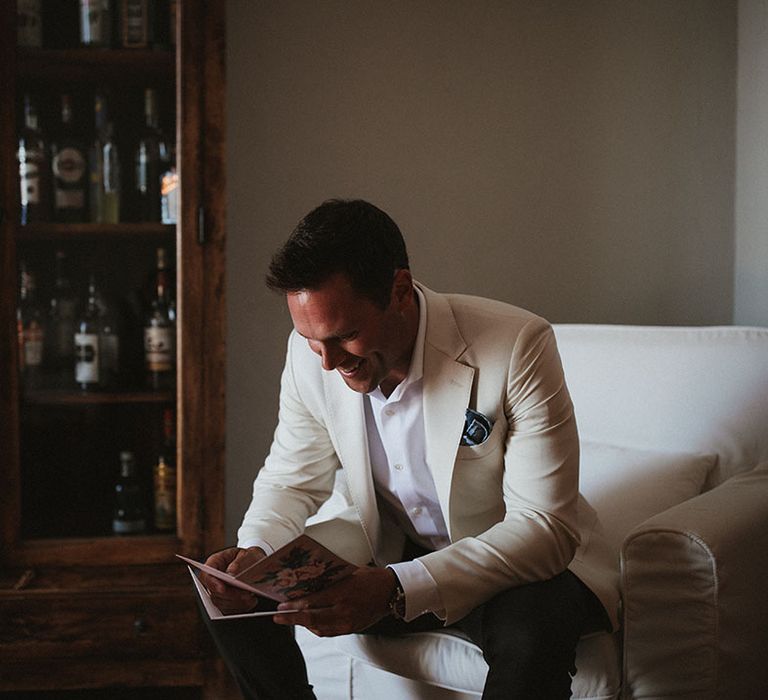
[
  {"x": 49, "y": 230},
  {"x": 93, "y": 65},
  {"x": 60, "y": 397}
]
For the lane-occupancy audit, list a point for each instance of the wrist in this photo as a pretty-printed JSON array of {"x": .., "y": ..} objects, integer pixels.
[{"x": 396, "y": 602}]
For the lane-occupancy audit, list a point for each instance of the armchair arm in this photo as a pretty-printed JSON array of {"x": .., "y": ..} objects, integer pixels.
[{"x": 695, "y": 596}]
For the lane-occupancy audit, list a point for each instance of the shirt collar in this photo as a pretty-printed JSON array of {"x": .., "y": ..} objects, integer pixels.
[{"x": 416, "y": 368}]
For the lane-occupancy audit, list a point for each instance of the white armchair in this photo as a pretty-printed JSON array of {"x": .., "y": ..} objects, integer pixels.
[{"x": 674, "y": 428}]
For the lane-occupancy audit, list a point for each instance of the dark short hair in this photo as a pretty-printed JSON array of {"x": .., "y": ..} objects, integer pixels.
[{"x": 351, "y": 237}]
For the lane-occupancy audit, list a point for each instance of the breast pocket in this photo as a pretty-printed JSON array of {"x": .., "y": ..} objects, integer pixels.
[{"x": 493, "y": 443}]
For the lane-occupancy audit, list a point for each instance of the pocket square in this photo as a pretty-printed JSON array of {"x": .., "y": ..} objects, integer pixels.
[{"x": 477, "y": 428}]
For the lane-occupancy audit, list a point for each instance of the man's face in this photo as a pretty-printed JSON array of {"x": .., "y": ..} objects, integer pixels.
[{"x": 368, "y": 346}]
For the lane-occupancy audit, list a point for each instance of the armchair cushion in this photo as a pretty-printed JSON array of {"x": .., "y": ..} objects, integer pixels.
[
  {"x": 626, "y": 485},
  {"x": 695, "y": 607}
]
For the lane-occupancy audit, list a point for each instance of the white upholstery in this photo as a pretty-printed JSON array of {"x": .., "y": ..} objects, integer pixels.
[{"x": 664, "y": 414}]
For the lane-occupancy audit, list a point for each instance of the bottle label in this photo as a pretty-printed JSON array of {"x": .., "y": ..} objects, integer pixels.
[
  {"x": 169, "y": 194},
  {"x": 135, "y": 24},
  {"x": 29, "y": 175},
  {"x": 128, "y": 527},
  {"x": 33, "y": 345},
  {"x": 87, "y": 354},
  {"x": 69, "y": 165},
  {"x": 28, "y": 23},
  {"x": 158, "y": 348},
  {"x": 94, "y": 21}
]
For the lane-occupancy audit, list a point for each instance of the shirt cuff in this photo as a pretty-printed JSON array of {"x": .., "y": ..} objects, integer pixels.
[
  {"x": 421, "y": 594},
  {"x": 268, "y": 548}
]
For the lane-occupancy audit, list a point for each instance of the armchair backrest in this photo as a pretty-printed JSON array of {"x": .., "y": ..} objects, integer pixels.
[{"x": 688, "y": 389}]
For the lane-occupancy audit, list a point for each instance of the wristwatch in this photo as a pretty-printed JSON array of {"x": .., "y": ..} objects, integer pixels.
[{"x": 396, "y": 604}]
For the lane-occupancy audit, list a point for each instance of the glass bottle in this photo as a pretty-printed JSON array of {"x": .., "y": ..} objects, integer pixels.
[
  {"x": 129, "y": 515},
  {"x": 62, "y": 318},
  {"x": 28, "y": 23},
  {"x": 104, "y": 165},
  {"x": 165, "y": 477},
  {"x": 109, "y": 343},
  {"x": 160, "y": 331},
  {"x": 150, "y": 161},
  {"x": 137, "y": 24},
  {"x": 96, "y": 23},
  {"x": 70, "y": 170},
  {"x": 87, "y": 349},
  {"x": 169, "y": 192},
  {"x": 30, "y": 324},
  {"x": 34, "y": 172}
]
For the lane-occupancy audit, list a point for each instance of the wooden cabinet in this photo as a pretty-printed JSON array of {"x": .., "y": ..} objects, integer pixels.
[{"x": 80, "y": 606}]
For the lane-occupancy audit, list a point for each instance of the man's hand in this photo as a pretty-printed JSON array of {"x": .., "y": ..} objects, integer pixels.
[
  {"x": 351, "y": 605},
  {"x": 229, "y": 599}
]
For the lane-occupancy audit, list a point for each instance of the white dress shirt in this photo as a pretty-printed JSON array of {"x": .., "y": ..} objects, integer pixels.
[{"x": 403, "y": 481}]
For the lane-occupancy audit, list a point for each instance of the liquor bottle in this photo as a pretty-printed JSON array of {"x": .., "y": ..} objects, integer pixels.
[
  {"x": 165, "y": 477},
  {"x": 129, "y": 515},
  {"x": 61, "y": 325},
  {"x": 70, "y": 169},
  {"x": 104, "y": 165},
  {"x": 30, "y": 325},
  {"x": 110, "y": 360},
  {"x": 169, "y": 192},
  {"x": 28, "y": 23},
  {"x": 137, "y": 23},
  {"x": 87, "y": 349},
  {"x": 160, "y": 331},
  {"x": 150, "y": 157},
  {"x": 34, "y": 172},
  {"x": 96, "y": 23}
]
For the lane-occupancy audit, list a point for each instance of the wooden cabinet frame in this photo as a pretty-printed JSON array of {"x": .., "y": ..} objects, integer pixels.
[{"x": 61, "y": 595}]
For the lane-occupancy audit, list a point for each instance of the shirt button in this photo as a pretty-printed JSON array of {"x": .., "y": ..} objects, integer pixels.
[
  {"x": 416, "y": 511},
  {"x": 389, "y": 412},
  {"x": 399, "y": 467}
]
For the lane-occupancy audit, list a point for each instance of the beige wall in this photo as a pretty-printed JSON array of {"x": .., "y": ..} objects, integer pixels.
[
  {"x": 576, "y": 158},
  {"x": 751, "y": 284}
]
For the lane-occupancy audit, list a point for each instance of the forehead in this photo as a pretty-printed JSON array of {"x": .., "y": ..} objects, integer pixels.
[{"x": 331, "y": 310}]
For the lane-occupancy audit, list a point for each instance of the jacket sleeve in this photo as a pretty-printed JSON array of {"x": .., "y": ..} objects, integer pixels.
[
  {"x": 536, "y": 533},
  {"x": 298, "y": 474}
]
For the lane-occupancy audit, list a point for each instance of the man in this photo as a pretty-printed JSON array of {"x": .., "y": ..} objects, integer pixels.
[{"x": 451, "y": 421}]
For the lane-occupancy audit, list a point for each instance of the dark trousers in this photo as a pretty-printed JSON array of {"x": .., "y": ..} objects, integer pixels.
[{"x": 528, "y": 636}]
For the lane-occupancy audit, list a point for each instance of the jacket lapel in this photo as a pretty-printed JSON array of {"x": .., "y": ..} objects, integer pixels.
[
  {"x": 346, "y": 424},
  {"x": 447, "y": 394}
]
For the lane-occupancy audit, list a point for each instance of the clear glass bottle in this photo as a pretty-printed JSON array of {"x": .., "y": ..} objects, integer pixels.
[
  {"x": 70, "y": 169},
  {"x": 130, "y": 513},
  {"x": 30, "y": 324},
  {"x": 105, "y": 170},
  {"x": 160, "y": 331},
  {"x": 150, "y": 160},
  {"x": 96, "y": 23},
  {"x": 87, "y": 348},
  {"x": 62, "y": 318},
  {"x": 34, "y": 168}
]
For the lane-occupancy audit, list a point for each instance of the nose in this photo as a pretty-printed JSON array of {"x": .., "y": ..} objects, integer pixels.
[{"x": 330, "y": 353}]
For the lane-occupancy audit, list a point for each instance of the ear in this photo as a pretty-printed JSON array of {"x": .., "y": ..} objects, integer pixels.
[{"x": 402, "y": 289}]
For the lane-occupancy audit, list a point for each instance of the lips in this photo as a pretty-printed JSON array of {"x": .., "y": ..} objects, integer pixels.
[{"x": 350, "y": 371}]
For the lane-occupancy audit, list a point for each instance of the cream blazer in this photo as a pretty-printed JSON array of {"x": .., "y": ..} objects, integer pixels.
[{"x": 511, "y": 504}]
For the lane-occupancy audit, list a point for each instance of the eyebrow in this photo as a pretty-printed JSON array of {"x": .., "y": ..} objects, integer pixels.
[{"x": 335, "y": 336}]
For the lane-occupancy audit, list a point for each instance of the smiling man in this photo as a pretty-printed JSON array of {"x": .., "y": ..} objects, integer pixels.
[{"x": 451, "y": 423}]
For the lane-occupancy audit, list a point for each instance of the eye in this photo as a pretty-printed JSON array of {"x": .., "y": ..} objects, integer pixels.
[{"x": 348, "y": 337}]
